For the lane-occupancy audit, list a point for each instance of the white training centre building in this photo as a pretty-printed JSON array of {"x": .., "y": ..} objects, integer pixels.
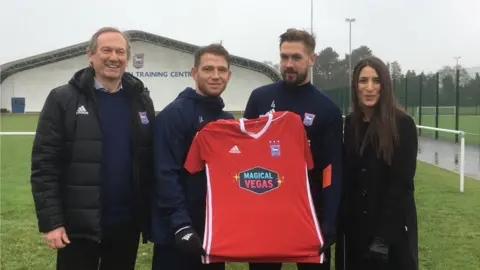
[{"x": 162, "y": 64}]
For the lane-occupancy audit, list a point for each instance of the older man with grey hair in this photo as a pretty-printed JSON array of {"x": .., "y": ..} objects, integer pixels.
[{"x": 92, "y": 161}]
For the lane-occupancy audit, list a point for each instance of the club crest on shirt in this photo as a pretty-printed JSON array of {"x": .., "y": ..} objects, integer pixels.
[
  {"x": 308, "y": 119},
  {"x": 275, "y": 148},
  {"x": 258, "y": 180},
  {"x": 143, "y": 117}
]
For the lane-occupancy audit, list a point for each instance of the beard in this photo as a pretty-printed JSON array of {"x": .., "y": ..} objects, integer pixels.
[{"x": 299, "y": 78}]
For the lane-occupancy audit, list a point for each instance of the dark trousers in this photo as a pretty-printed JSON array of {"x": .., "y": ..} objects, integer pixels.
[
  {"x": 170, "y": 258},
  {"x": 117, "y": 251},
  {"x": 300, "y": 266}
]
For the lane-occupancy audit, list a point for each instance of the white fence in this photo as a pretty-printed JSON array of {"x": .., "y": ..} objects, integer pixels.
[
  {"x": 16, "y": 133},
  {"x": 460, "y": 133}
]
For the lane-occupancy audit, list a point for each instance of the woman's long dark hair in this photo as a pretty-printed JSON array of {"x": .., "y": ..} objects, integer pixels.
[{"x": 382, "y": 132}]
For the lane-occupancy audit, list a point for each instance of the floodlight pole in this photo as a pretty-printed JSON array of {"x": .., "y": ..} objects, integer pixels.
[{"x": 350, "y": 21}]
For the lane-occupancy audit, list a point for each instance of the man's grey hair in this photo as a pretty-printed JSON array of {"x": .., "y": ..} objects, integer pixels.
[{"x": 92, "y": 45}]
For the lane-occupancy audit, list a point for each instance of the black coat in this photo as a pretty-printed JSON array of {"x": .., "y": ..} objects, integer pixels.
[
  {"x": 379, "y": 199},
  {"x": 67, "y": 156}
]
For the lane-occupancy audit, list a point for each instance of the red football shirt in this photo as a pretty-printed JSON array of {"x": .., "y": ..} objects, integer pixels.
[{"x": 259, "y": 207}]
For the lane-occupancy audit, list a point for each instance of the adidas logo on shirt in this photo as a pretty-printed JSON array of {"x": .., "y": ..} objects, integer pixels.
[
  {"x": 234, "y": 150},
  {"x": 82, "y": 110},
  {"x": 187, "y": 236}
]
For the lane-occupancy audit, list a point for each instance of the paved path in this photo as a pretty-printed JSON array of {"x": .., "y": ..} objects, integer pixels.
[{"x": 446, "y": 155}]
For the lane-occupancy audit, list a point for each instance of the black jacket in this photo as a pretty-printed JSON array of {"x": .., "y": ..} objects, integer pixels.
[
  {"x": 67, "y": 154},
  {"x": 180, "y": 197},
  {"x": 379, "y": 199}
]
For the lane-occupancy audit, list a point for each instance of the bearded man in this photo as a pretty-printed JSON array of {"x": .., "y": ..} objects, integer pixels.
[{"x": 323, "y": 124}]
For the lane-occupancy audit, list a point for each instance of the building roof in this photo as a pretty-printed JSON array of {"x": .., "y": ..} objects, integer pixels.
[{"x": 11, "y": 68}]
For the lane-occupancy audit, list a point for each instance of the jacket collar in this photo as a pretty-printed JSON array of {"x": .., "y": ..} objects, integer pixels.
[{"x": 84, "y": 81}]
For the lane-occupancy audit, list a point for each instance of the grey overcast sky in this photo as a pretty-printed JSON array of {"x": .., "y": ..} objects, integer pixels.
[{"x": 420, "y": 34}]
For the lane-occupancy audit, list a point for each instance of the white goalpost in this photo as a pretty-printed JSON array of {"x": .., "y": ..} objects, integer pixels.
[
  {"x": 460, "y": 133},
  {"x": 432, "y": 110}
]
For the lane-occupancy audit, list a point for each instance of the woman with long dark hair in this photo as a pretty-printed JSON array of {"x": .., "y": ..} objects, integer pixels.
[{"x": 380, "y": 220}]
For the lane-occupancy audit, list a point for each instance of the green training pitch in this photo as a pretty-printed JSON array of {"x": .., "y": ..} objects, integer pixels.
[
  {"x": 470, "y": 124},
  {"x": 449, "y": 226}
]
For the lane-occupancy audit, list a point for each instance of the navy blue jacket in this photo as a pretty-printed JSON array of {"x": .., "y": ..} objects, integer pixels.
[
  {"x": 179, "y": 197},
  {"x": 324, "y": 126}
]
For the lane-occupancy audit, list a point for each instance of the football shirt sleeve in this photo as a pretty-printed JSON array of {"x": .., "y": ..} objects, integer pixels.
[{"x": 194, "y": 161}]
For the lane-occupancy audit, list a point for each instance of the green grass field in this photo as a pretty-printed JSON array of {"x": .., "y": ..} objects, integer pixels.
[
  {"x": 449, "y": 221},
  {"x": 470, "y": 124}
]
